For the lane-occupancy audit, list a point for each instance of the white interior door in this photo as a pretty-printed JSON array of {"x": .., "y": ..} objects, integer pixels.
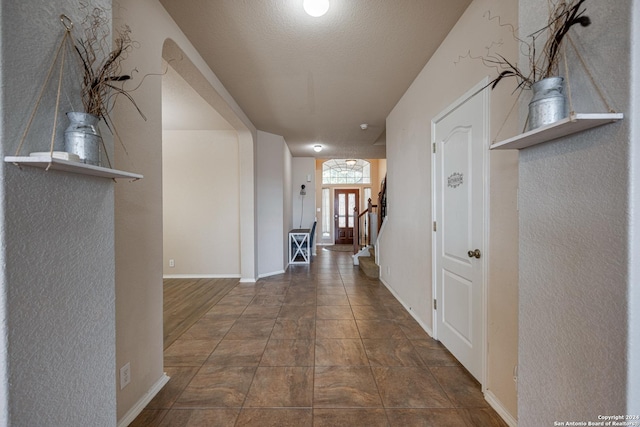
[{"x": 460, "y": 144}]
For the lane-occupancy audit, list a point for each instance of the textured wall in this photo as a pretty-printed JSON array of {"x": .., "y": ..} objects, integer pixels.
[
  {"x": 57, "y": 245},
  {"x": 573, "y": 247},
  {"x": 633, "y": 376},
  {"x": 4, "y": 329}
]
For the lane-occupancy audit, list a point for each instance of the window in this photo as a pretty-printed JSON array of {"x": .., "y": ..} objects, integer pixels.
[
  {"x": 326, "y": 213},
  {"x": 367, "y": 196},
  {"x": 338, "y": 171}
]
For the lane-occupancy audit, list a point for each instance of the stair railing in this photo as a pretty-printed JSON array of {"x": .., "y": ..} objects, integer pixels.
[
  {"x": 382, "y": 202},
  {"x": 362, "y": 226}
]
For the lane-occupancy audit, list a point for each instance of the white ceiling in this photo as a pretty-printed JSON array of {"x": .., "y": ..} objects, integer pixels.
[{"x": 312, "y": 80}]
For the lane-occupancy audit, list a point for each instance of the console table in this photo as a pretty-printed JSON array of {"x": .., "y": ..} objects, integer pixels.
[{"x": 299, "y": 246}]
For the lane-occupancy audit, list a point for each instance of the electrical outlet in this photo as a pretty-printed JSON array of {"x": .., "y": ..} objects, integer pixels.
[
  {"x": 125, "y": 375},
  {"x": 172, "y": 263}
]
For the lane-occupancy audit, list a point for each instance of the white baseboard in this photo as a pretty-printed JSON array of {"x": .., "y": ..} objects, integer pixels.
[
  {"x": 143, "y": 402},
  {"x": 249, "y": 280},
  {"x": 201, "y": 276},
  {"x": 495, "y": 403},
  {"x": 427, "y": 329},
  {"x": 275, "y": 273},
  {"x": 491, "y": 399}
]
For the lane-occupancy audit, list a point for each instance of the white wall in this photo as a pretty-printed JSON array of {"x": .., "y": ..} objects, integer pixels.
[
  {"x": 287, "y": 219},
  {"x": 382, "y": 170},
  {"x": 138, "y": 223},
  {"x": 574, "y": 224},
  {"x": 271, "y": 171},
  {"x": 304, "y": 207},
  {"x": 200, "y": 187},
  {"x": 447, "y": 76},
  {"x": 56, "y": 230}
]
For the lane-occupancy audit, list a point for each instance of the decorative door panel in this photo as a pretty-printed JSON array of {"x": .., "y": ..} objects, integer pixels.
[
  {"x": 460, "y": 145},
  {"x": 344, "y": 203}
]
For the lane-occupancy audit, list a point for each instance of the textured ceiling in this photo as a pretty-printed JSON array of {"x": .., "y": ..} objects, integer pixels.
[{"x": 315, "y": 80}]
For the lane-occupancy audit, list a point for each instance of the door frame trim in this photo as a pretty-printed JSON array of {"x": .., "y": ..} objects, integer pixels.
[{"x": 480, "y": 89}]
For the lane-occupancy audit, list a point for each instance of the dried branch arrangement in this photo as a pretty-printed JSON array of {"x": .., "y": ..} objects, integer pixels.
[
  {"x": 542, "y": 63},
  {"x": 103, "y": 78}
]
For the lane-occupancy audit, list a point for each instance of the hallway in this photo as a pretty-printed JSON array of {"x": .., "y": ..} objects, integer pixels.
[{"x": 321, "y": 345}]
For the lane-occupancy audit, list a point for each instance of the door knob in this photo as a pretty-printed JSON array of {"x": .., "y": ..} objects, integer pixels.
[{"x": 474, "y": 254}]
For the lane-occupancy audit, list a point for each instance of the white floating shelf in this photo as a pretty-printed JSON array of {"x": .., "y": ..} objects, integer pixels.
[
  {"x": 567, "y": 126},
  {"x": 43, "y": 162}
]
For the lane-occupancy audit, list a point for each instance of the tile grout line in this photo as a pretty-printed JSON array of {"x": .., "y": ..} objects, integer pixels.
[
  {"x": 330, "y": 274},
  {"x": 204, "y": 361},
  {"x": 244, "y": 400}
]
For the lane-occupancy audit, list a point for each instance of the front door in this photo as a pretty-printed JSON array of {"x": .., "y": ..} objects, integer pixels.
[
  {"x": 344, "y": 203},
  {"x": 460, "y": 142}
]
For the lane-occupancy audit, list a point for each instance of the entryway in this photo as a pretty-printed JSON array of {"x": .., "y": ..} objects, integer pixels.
[{"x": 344, "y": 204}]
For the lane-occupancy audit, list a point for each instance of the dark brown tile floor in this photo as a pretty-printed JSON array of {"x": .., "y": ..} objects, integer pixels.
[{"x": 321, "y": 345}]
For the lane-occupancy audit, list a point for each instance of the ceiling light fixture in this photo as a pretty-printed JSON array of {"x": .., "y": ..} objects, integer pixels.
[
  {"x": 364, "y": 126},
  {"x": 317, "y": 148},
  {"x": 316, "y": 8},
  {"x": 351, "y": 162}
]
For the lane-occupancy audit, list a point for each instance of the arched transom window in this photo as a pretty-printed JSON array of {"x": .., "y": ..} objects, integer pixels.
[{"x": 346, "y": 171}]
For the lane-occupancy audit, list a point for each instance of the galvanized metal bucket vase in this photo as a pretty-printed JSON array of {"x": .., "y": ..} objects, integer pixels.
[
  {"x": 548, "y": 104},
  {"x": 83, "y": 138}
]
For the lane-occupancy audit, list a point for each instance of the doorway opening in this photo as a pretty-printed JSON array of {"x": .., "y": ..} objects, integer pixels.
[
  {"x": 202, "y": 194},
  {"x": 344, "y": 187}
]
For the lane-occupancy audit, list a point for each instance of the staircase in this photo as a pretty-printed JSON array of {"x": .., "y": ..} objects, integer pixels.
[
  {"x": 368, "y": 265},
  {"x": 371, "y": 220}
]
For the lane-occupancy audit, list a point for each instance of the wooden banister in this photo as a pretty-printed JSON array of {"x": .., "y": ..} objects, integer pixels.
[
  {"x": 369, "y": 209},
  {"x": 356, "y": 230},
  {"x": 357, "y": 226},
  {"x": 381, "y": 211}
]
